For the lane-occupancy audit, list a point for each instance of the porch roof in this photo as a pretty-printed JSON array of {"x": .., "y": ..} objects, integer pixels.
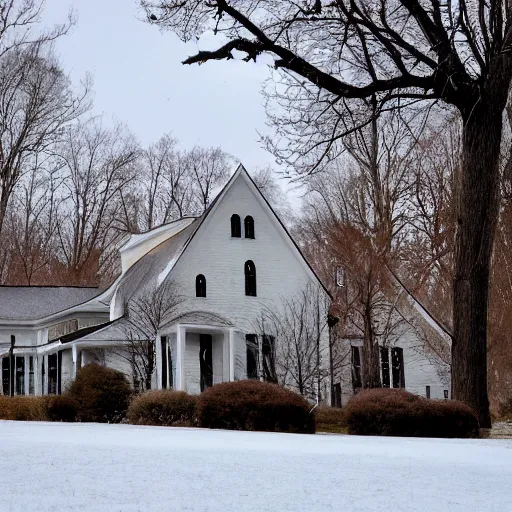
[{"x": 202, "y": 318}]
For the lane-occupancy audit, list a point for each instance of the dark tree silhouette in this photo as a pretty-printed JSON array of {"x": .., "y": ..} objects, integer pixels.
[{"x": 394, "y": 53}]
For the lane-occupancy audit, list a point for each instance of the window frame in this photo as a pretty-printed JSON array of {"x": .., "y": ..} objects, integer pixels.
[
  {"x": 201, "y": 286},
  {"x": 356, "y": 367},
  {"x": 249, "y": 231},
  {"x": 236, "y": 226},
  {"x": 397, "y": 365},
  {"x": 252, "y": 351},
  {"x": 250, "y": 279},
  {"x": 384, "y": 366}
]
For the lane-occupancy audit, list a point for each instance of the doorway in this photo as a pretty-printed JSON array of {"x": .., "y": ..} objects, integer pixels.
[{"x": 205, "y": 361}]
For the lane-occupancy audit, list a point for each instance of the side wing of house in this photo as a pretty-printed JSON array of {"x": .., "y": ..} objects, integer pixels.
[{"x": 414, "y": 357}]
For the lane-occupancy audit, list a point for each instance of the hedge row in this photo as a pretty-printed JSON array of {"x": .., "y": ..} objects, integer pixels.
[
  {"x": 100, "y": 394},
  {"x": 395, "y": 412},
  {"x": 97, "y": 394},
  {"x": 38, "y": 408},
  {"x": 243, "y": 405}
]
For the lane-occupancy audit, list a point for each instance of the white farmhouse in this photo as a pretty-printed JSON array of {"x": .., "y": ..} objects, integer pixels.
[{"x": 228, "y": 267}]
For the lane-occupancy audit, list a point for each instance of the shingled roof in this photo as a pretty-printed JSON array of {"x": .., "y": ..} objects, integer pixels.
[{"x": 36, "y": 302}]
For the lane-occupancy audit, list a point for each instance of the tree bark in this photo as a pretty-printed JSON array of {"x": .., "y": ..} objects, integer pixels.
[
  {"x": 371, "y": 367},
  {"x": 477, "y": 210}
]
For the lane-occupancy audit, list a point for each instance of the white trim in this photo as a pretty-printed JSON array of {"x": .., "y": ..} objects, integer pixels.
[
  {"x": 231, "y": 337},
  {"x": 181, "y": 336}
]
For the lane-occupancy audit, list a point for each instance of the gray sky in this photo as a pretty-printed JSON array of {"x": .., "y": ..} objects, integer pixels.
[{"x": 139, "y": 80}]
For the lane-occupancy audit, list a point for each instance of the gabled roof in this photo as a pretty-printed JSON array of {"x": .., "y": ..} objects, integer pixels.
[
  {"x": 149, "y": 267},
  {"x": 37, "y": 302},
  {"x": 198, "y": 223}
]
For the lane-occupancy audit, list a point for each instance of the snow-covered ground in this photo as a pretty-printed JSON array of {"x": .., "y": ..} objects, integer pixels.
[{"x": 110, "y": 468}]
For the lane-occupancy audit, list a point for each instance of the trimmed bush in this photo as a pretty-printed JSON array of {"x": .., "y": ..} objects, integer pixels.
[
  {"x": 61, "y": 408},
  {"x": 162, "y": 407},
  {"x": 395, "y": 412},
  {"x": 102, "y": 394},
  {"x": 254, "y": 405},
  {"x": 330, "y": 419},
  {"x": 23, "y": 408}
]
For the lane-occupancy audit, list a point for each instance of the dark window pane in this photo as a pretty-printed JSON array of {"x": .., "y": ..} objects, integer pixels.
[
  {"x": 52, "y": 374},
  {"x": 268, "y": 351},
  {"x": 252, "y": 355},
  {"x": 6, "y": 376},
  {"x": 200, "y": 286},
  {"x": 356, "y": 368},
  {"x": 249, "y": 227},
  {"x": 384, "y": 362},
  {"x": 250, "y": 278},
  {"x": 397, "y": 361},
  {"x": 163, "y": 341},
  {"x": 20, "y": 375},
  {"x": 236, "y": 226},
  {"x": 427, "y": 392},
  {"x": 31, "y": 381}
]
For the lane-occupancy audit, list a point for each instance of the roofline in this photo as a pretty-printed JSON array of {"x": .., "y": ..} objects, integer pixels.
[
  {"x": 53, "y": 316},
  {"x": 160, "y": 228},
  {"x": 240, "y": 170},
  {"x": 47, "y": 286},
  {"x": 289, "y": 235},
  {"x": 203, "y": 218},
  {"x": 415, "y": 299}
]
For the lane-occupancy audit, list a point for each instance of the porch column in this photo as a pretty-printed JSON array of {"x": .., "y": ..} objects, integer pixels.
[
  {"x": 180, "y": 358},
  {"x": 159, "y": 362},
  {"x": 231, "y": 355},
  {"x": 74, "y": 354}
]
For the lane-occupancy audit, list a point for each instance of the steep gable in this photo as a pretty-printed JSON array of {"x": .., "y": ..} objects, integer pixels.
[{"x": 242, "y": 191}]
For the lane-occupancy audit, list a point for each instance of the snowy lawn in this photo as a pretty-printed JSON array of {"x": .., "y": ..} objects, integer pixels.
[{"x": 108, "y": 468}]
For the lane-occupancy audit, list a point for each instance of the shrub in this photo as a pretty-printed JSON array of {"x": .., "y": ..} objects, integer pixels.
[
  {"x": 330, "y": 419},
  {"x": 254, "y": 405},
  {"x": 102, "y": 394},
  {"x": 23, "y": 408},
  {"x": 61, "y": 408},
  {"x": 395, "y": 412},
  {"x": 162, "y": 407}
]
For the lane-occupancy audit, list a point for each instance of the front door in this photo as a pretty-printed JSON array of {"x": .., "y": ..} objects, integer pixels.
[{"x": 205, "y": 361}]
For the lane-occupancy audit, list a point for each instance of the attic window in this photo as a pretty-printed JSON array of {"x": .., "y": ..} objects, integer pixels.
[
  {"x": 236, "y": 227},
  {"x": 249, "y": 227},
  {"x": 200, "y": 286}
]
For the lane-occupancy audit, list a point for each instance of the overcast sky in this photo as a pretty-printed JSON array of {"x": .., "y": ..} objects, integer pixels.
[{"x": 140, "y": 81}]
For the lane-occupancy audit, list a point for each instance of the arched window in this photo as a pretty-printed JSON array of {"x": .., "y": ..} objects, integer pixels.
[
  {"x": 249, "y": 227},
  {"x": 250, "y": 279},
  {"x": 236, "y": 228},
  {"x": 200, "y": 286}
]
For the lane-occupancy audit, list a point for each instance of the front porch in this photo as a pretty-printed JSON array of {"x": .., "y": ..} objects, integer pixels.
[{"x": 192, "y": 356}]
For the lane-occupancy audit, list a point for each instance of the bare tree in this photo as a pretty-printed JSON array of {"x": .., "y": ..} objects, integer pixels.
[
  {"x": 98, "y": 165},
  {"x": 36, "y": 100},
  {"x": 146, "y": 314},
  {"x": 33, "y": 222},
  {"x": 209, "y": 169},
  {"x": 269, "y": 186},
  {"x": 292, "y": 342},
  {"x": 334, "y": 55}
]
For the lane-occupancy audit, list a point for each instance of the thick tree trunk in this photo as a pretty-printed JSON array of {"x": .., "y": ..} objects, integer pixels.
[
  {"x": 371, "y": 367},
  {"x": 477, "y": 211}
]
